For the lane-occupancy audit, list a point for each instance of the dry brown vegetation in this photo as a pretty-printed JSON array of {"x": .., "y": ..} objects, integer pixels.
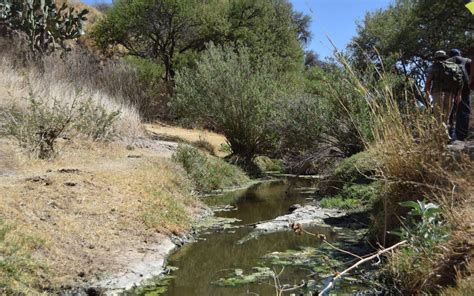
[
  {"x": 416, "y": 165},
  {"x": 67, "y": 219},
  {"x": 92, "y": 203},
  {"x": 192, "y": 136}
]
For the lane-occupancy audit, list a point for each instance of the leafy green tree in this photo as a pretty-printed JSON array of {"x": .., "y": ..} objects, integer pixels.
[
  {"x": 156, "y": 29},
  {"x": 175, "y": 31},
  {"x": 233, "y": 95},
  {"x": 41, "y": 22},
  {"x": 408, "y": 32}
]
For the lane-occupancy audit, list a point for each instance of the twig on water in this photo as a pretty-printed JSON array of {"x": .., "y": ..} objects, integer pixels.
[
  {"x": 339, "y": 275},
  {"x": 298, "y": 228}
]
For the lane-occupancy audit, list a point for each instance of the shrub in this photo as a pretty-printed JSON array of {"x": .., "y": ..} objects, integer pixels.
[
  {"x": 415, "y": 268},
  {"x": 353, "y": 196},
  {"x": 208, "y": 172},
  {"x": 95, "y": 121},
  {"x": 340, "y": 203},
  {"x": 233, "y": 96},
  {"x": 38, "y": 129},
  {"x": 266, "y": 164},
  {"x": 44, "y": 121},
  {"x": 327, "y": 120}
]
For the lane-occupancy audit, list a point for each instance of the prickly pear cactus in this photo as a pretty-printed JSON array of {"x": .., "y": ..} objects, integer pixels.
[{"x": 43, "y": 24}]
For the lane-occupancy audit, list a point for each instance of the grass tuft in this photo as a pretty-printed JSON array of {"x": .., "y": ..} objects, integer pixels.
[{"x": 207, "y": 172}]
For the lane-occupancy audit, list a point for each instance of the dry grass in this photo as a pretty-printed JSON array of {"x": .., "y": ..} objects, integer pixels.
[
  {"x": 415, "y": 165},
  {"x": 19, "y": 84},
  {"x": 111, "y": 204},
  {"x": 191, "y": 136}
]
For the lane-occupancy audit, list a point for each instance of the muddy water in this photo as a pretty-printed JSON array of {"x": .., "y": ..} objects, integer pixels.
[{"x": 217, "y": 253}]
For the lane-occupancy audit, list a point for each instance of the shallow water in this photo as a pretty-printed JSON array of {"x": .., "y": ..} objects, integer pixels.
[{"x": 218, "y": 253}]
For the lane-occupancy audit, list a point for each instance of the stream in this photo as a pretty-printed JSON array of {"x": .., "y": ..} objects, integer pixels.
[{"x": 223, "y": 262}]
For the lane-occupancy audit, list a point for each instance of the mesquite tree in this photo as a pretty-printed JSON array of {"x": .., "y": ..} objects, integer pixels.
[{"x": 41, "y": 22}]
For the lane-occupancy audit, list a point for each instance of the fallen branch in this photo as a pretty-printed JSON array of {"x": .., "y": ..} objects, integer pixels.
[
  {"x": 298, "y": 228},
  {"x": 338, "y": 276}
]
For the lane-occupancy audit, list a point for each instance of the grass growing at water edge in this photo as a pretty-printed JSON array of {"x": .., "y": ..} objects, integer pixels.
[{"x": 208, "y": 172}]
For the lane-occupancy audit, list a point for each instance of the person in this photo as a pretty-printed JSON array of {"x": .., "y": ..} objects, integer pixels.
[
  {"x": 443, "y": 85},
  {"x": 463, "y": 109}
]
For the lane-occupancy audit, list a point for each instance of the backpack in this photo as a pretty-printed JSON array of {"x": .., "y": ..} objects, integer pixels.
[{"x": 448, "y": 76}]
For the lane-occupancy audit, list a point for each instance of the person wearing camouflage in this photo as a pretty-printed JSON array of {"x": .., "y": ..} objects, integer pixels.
[{"x": 444, "y": 84}]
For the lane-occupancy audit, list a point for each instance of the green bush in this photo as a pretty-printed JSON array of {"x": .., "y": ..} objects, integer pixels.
[
  {"x": 95, "y": 121},
  {"x": 340, "y": 203},
  {"x": 208, "y": 172},
  {"x": 354, "y": 196},
  {"x": 358, "y": 168},
  {"x": 228, "y": 92},
  {"x": 37, "y": 128},
  {"x": 266, "y": 164}
]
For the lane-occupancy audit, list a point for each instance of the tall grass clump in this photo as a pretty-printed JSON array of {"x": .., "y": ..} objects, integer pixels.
[
  {"x": 208, "y": 172},
  {"x": 415, "y": 164}
]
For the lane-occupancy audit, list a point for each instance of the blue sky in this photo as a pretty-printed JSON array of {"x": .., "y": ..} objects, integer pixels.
[{"x": 333, "y": 18}]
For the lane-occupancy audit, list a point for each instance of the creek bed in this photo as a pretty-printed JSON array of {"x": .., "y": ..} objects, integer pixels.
[{"x": 220, "y": 263}]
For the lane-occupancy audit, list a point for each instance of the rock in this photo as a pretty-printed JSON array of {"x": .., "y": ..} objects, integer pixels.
[
  {"x": 134, "y": 156},
  {"x": 462, "y": 147},
  {"x": 69, "y": 171},
  {"x": 307, "y": 215},
  {"x": 292, "y": 208},
  {"x": 40, "y": 179},
  {"x": 70, "y": 184}
]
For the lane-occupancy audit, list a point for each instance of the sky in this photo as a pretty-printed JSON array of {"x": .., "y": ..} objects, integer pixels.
[{"x": 335, "y": 19}]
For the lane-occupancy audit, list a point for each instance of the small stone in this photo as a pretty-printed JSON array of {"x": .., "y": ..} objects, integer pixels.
[
  {"x": 292, "y": 208},
  {"x": 70, "y": 184},
  {"x": 69, "y": 171}
]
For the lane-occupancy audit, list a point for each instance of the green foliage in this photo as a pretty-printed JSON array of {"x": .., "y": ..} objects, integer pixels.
[
  {"x": 45, "y": 120},
  {"x": 208, "y": 172},
  {"x": 424, "y": 228},
  {"x": 328, "y": 118},
  {"x": 95, "y": 121},
  {"x": 17, "y": 267},
  {"x": 228, "y": 92},
  {"x": 353, "y": 196},
  {"x": 339, "y": 202},
  {"x": 408, "y": 32},
  {"x": 266, "y": 164},
  {"x": 239, "y": 278},
  {"x": 357, "y": 168},
  {"x": 42, "y": 23},
  {"x": 175, "y": 214},
  {"x": 38, "y": 129},
  {"x": 175, "y": 31}
]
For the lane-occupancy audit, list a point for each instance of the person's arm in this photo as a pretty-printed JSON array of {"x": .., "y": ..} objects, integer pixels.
[
  {"x": 471, "y": 80},
  {"x": 429, "y": 79}
]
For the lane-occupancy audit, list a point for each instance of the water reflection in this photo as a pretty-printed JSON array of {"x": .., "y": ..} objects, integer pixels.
[{"x": 207, "y": 260}]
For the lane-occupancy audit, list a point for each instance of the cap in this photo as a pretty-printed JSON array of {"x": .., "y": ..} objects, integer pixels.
[
  {"x": 454, "y": 52},
  {"x": 440, "y": 54}
]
